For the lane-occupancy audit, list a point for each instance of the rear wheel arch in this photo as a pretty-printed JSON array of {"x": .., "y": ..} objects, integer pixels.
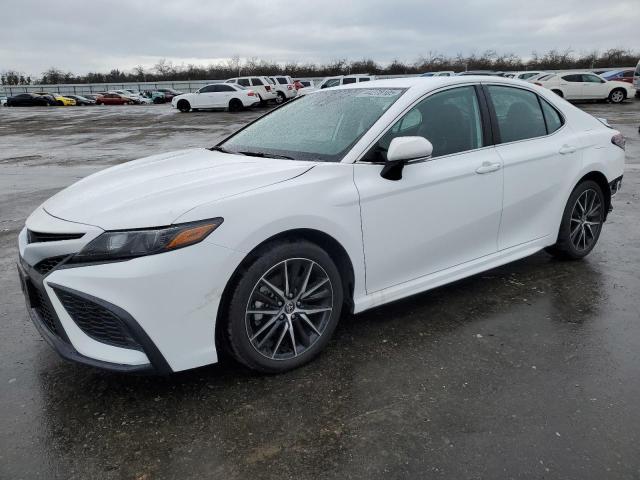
[{"x": 323, "y": 240}]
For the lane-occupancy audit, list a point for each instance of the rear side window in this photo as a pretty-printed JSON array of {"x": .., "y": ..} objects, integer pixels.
[
  {"x": 348, "y": 80},
  {"x": 256, "y": 81},
  {"x": 573, "y": 78},
  {"x": 551, "y": 117},
  {"x": 244, "y": 82},
  {"x": 364, "y": 79},
  {"x": 282, "y": 81},
  {"x": 518, "y": 112},
  {"x": 224, "y": 88}
]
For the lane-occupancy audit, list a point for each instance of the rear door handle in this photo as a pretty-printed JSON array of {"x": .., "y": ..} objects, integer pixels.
[
  {"x": 488, "y": 167},
  {"x": 565, "y": 149}
]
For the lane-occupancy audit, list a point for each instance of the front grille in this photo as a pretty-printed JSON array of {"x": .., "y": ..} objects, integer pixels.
[
  {"x": 37, "y": 237},
  {"x": 45, "y": 266},
  {"x": 40, "y": 303},
  {"x": 97, "y": 321}
]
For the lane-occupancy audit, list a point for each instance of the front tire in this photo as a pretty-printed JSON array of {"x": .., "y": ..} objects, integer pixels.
[
  {"x": 617, "y": 95},
  {"x": 284, "y": 307},
  {"x": 184, "y": 106},
  {"x": 581, "y": 222}
]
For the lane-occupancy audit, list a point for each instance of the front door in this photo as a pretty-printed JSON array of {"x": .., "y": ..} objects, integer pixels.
[{"x": 445, "y": 211}]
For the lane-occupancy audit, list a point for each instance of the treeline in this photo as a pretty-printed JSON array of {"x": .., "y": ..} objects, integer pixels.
[{"x": 489, "y": 60}]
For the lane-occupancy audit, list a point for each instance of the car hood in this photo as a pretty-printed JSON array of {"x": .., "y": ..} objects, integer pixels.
[{"x": 156, "y": 190}]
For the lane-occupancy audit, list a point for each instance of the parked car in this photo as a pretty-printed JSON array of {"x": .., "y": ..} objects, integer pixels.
[
  {"x": 444, "y": 73},
  {"x": 285, "y": 88},
  {"x": 230, "y": 96},
  {"x": 343, "y": 80},
  {"x": 110, "y": 98},
  {"x": 491, "y": 73},
  {"x": 586, "y": 86},
  {"x": 304, "y": 84},
  {"x": 636, "y": 80},
  {"x": 60, "y": 100},
  {"x": 92, "y": 96},
  {"x": 30, "y": 100},
  {"x": 154, "y": 96},
  {"x": 625, "y": 75},
  {"x": 3, "y": 100},
  {"x": 264, "y": 88},
  {"x": 259, "y": 243},
  {"x": 523, "y": 75},
  {"x": 169, "y": 93},
  {"x": 82, "y": 100}
]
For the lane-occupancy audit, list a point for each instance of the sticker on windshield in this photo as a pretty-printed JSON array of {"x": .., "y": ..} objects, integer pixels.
[{"x": 379, "y": 92}]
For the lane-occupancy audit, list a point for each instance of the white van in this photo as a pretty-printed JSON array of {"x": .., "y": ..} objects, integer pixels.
[{"x": 263, "y": 86}]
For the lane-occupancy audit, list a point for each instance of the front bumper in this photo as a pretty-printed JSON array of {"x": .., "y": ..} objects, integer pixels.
[{"x": 164, "y": 305}]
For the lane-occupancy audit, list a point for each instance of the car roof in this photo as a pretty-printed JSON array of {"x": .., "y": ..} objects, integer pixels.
[{"x": 431, "y": 83}]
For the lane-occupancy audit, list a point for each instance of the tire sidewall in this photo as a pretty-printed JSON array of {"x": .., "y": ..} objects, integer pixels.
[
  {"x": 613, "y": 92},
  {"x": 270, "y": 256},
  {"x": 564, "y": 241}
]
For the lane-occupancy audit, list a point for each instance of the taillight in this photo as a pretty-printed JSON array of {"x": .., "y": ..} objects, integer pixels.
[
  {"x": 289, "y": 87},
  {"x": 268, "y": 87},
  {"x": 251, "y": 93},
  {"x": 538, "y": 83},
  {"x": 619, "y": 141}
]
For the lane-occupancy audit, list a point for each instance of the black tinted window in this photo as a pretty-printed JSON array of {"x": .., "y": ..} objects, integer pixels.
[
  {"x": 364, "y": 79},
  {"x": 551, "y": 116},
  {"x": 224, "y": 88},
  {"x": 450, "y": 120},
  {"x": 256, "y": 81},
  {"x": 591, "y": 78},
  {"x": 244, "y": 82},
  {"x": 282, "y": 81},
  {"x": 208, "y": 88},
  {"x": 573, "y": 78},
  {"x": 519, "y": 114},
  {"x": 348, "y": 80}
]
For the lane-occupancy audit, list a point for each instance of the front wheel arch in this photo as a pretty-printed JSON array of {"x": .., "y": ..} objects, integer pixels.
[{"x": 328, "y": 243}]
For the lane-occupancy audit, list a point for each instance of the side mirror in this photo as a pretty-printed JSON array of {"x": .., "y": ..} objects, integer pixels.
[{"x": 403, "y": 150}]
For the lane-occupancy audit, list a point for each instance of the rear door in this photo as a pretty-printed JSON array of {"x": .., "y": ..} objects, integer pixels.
[
  {"x": 224, "y": 93},
  {"x": 572, "y": 86},
  {"x": 537, "y": 154}
]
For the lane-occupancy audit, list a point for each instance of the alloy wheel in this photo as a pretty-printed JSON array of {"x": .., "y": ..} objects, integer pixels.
[
  {"x": 289, "y": 309},
  {"x": 617, "y": 96},
  {"x": 586, "y": 220}
]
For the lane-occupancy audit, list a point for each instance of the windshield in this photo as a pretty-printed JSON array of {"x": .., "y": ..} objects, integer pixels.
[{"x": 321, "y": 126}]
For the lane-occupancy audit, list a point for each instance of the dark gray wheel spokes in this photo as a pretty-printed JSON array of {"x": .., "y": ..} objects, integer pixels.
[
  {"x": 289, "y": 308},
  {"x": 586, "y": 220}
]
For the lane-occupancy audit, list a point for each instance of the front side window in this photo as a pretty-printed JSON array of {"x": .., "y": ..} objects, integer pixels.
[
  {"x": 450, "y": 120},
  {"x": 591, "y": 78},
  {"x": 208, "y": 88},
  {"x": 322, "y": 126},
  {"x": 518, "y": 112}
]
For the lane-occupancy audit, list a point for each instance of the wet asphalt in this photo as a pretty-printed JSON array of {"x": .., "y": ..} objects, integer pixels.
[{"x": 531, "y": 370}]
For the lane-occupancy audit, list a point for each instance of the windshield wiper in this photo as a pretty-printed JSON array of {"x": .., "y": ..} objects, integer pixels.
[
  {"x": 221, "y": 149},
  {"x": 265, "y": 155}
]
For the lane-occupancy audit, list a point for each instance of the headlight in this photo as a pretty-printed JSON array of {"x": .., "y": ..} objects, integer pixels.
[{"x": 127, "y": 244}]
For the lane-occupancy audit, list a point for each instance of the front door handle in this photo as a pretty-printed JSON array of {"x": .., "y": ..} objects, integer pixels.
[
  {"x": 565, "y": 149},
  {"x": 488, "y": 167}
]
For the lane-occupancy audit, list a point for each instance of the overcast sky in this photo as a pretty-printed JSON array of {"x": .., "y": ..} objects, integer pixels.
[{"x": 81, "y": 36}]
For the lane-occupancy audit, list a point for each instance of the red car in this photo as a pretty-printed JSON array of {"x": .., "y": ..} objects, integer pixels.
[
  {"x": 625, "y": 75},
  {"x": 114, "y": 99}
]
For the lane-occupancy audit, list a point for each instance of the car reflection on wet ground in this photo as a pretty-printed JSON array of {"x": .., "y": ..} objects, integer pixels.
[{"x": 526, "y": 371}]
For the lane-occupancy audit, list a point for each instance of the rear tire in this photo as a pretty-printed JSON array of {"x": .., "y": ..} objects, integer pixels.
[
  {"x": 617, "y": 95},
  {"x": 281, "y": 98},
  {"x": 582, "y": 222},
  {"x": 263, "y": 103},
  {"x": 274, "y": 342},
  {"x": 235, "y": 105},
  {"x": 184, "y": 106}
]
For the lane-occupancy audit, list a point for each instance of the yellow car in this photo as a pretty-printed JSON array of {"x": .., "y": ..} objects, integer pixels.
[{"x": 60, "y": 100}]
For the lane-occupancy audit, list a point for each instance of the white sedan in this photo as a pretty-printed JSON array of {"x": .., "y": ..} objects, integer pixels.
[
  {"x": 586, "y": 86},
  {"x": 258, "y": 245},
  {"x": 229, "y": 96}
]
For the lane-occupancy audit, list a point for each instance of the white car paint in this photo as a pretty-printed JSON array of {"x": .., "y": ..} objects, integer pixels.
[
  {"x": 263, "y": 86},
  {"x": 218, "y": 95},
  {"x": 584, "y": 86},
  {"x": 447, "y": 218},
  {"x": 284, "y": 87}
]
